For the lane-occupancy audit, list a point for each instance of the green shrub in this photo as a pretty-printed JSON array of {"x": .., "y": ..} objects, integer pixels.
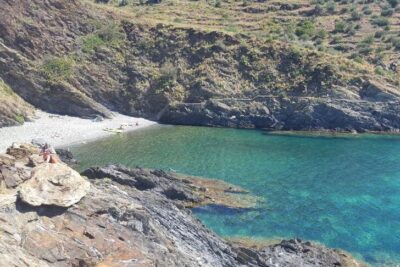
[
  {"x": 396, "y": 43},
  {"x": 108, "y": 35},
  {"x": 331, "y": 7},
  {"x": 20, "y": 118},
  {"x": 318, "y": 10},
  {"x": 305, "y": 29},
  {"x": 393, "y": 3},
  {"x": 379, "y": 70},
  {"x": 379, "y": 34},
  {"x": 218, "y": 3},
  {"x": 91, "y": 42},
  {"x": 122, "y": 2},
  {"x": 168, "y": 71},
  {"x": 367, "y": 10},
  {"x": 355, "y": 15},
  {"x": 340, "y": 26},
  {"x": 380, "y": 21},
  {"x": 366, "y": 50},
  {"x": 387, "y": 12},
  {"x": 321, "y": 34},
  {"x": 368, "y": 40},
  {"x": 357, "y": 58},
  {"x": 57, "y": 68}
]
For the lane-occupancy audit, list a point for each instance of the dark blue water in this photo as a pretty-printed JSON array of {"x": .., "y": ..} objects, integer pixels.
[{"x": 341, "y": 191}]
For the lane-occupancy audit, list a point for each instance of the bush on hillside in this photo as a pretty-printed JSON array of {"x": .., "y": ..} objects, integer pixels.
[
  {"x": 380, "y": 21},
  {"x": 355, "y": 15},
  {"x": 387, "y": 11},
  {"x": 393, "y": 3},
  {"x": 396, "y": 43},
  {"x": 57, "y": 68},
  {"x": 122, "y": 2},
  {"x": 340, "y": 26},
  {"x": 305, "y": 29}
]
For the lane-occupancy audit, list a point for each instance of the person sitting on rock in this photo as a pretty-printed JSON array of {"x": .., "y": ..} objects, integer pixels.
[{"x": 48, "y": 154}]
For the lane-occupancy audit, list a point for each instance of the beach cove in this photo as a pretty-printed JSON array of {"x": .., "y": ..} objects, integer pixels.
[{"x": 340, "y": 191}]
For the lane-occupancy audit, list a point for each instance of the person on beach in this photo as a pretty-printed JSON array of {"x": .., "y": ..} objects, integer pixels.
[{"x": 48, "y": 154}]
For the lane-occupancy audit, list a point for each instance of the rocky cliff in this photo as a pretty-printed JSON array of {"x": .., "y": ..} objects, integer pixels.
[
  {"x": 80, "y": 58},
  {"x": 127, "y": 217}
]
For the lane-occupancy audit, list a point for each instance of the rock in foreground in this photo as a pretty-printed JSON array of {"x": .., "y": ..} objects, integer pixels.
[
  {"x": 54, "y": 184},
  {"x": 128, "y": 217}
]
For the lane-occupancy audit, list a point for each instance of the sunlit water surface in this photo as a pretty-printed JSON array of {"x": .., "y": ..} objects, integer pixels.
[{"x": 341, "y": 191}]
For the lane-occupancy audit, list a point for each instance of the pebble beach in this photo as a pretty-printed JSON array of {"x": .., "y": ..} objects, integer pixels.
[{"x": 61, "y": 131}]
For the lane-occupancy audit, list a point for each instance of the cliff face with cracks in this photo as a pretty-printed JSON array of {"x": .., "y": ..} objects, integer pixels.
[
  {"x": 82, "y": 59},
  {"x": 129, "y": 217}
]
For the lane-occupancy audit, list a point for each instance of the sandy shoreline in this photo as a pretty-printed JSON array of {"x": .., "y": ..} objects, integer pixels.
[{"x": 61, "y": 131}]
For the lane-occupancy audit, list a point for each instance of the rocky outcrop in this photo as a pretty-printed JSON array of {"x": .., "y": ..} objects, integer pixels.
[
  {"x": 129, "y": 217},
  {"x": 294, "y": 253},
  {"x": 290, "y": 114},
  {"x": 118, "y": 224},
  {"x": 66, "y": 156},
  {"x": 54, "y": 184},
  {"x": 190, "y": 191}
]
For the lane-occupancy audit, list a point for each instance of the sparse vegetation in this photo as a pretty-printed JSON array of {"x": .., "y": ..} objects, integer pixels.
[
  {"x": 316, "y": 24},
  {"x": 57, "y": 68},
  {"x": 106, "y": 36}
]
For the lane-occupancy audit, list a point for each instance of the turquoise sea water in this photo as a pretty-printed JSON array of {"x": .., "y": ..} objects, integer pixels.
[{"x": 341, "y": 191}]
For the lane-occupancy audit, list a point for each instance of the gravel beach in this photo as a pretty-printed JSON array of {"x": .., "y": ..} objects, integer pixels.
[{"x": 61, "y": 131}]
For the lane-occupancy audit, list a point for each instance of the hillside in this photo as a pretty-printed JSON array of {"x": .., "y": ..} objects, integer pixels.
[
  {"x": 13, "y": 109},
  {"x": 365, "y": 31},
  {"x": 177, "y": 62}
]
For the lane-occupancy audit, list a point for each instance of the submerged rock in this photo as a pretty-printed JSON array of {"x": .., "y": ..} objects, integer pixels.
[{"x": 54, "y": 184}]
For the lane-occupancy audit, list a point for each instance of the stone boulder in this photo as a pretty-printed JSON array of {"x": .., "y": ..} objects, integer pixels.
[
  {"x": 14, "y": 176},
  {"x": 22, "y": 152},
  {"x": 7, "y": 160},
  {"x": 54, "y": 184}
]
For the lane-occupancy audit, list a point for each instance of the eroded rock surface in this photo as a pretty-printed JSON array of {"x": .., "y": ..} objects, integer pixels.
[
  {"x": 119, "y": 225},
  {"x": 129, "y": 217},
  {"x": 54, "y": 184}
]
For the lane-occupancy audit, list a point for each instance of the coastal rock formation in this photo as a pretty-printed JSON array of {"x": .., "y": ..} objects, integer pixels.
[
  {"x": 54, "y": 184},
  {"x": 76, "y": 58},
  {"x": 294, "y": 253},
  {"x": 130, "y": 217},
  {"x": 300, "y": 113}
]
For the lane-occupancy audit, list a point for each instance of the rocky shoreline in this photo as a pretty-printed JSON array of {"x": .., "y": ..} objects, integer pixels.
[
  {"x": 291, "y": 114},
  {"x": 126, "y": 217}
]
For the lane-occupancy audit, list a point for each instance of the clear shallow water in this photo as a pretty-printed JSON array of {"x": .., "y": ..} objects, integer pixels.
[{"x": 343, "y": 192}]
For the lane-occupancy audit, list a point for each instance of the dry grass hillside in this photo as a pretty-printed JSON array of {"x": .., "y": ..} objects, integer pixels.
[{"x": 365, "y": 31}]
